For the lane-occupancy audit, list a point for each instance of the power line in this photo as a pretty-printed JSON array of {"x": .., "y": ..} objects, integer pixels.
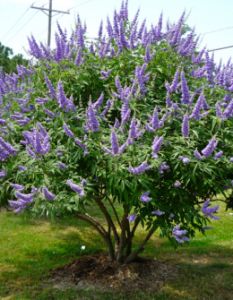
[
  {"x": 81, "y": 4},
  {"x": 22, "y": 26},
  {"x": 218, "y": 30},
  {"x": 69, "y": 9},
  {"x": 221, "y": 48},
  {"x": 49, "y": 11},
  {"x": 16, "y": 23}
]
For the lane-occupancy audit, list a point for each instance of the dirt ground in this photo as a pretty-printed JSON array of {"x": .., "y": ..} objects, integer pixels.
[{"x": 98, "y": 272}]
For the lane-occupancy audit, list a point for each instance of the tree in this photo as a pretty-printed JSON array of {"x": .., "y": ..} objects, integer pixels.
[
  {"x": 8, "y": 61},
  {"x": 136, "y": 124}
]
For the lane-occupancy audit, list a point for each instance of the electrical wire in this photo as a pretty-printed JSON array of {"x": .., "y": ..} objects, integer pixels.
[
  {"x": 218, "y": 30},
  {"x": 18, "y": 31},
  {"x": 221, "y": 48},
  {"x": 16, "y": 23}
]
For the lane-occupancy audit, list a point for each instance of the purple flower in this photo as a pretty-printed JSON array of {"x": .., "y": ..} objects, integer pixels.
[
  {"x": 209, "y": 211},
  {"x": 107, "y": 108},
  {"x": 105, "y": 74},
  {"x": 185, "y": 160},
  {"x": 139, "y": 169},
  {"x": 142, "y": 78},
  {"x": 48, "y": 195},
  {"x": 114, "y": 143},
  {"x": 132, "y": 217},
  {"x": 145, "y": 197},
  {"x": 184, "y": 89},
  {"x": 185, "y": 126},
  {"x": 148, "y": 56},
  {"x": 99, "y": 101},
  {"x": 155, "y": 119},
  {"x": 64, "y": 103},
  {"x": 80, "y": 144},
  {"x": 157, "y": 143},
  {"x": 22, "y": 168},
  {"x": 37, "y": 141},
  {"x": 175, "y": 82},
  {"x": 50, "y": 87},
  {"x": 6, "y": 149},
  {"x": 22, "y": 201},
  {"x": 179, "y": 234},
  {"x": 17, "y": 187},
  {"x": 228, "y": 112},
  {"x": 157, "y": 212},
  {"x": 67, "y": 130},
  {"x": 2, "y": 173},
  {"x": 195, "y": 114},
  {"x": 134, "y": 131},
  {"x": 218, "y": 155},
  {"x": 116, "y": 149},
  {"x": 231, "y": 159},
  {"x": 62, "y": 166},
  {"x": 209, "y": 149},
  {"x": 177, "y": 184},
  {"x": 163, "y": 167},
  {"x": 76, "y": 188},
  {"x": 92, "y": 122},
  {"x": 197, "y": 154}
]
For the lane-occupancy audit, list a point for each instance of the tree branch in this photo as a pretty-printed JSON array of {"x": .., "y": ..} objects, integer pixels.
[
  {"x": 105, "y": 235},
  {"x": 114, "y": 211},
  {"x": 108, "y": 218},
  {"x": 134, "y": 254}
]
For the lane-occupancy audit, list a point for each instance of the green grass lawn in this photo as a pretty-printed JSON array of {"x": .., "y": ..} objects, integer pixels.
[{"x": 29, "y": 249}]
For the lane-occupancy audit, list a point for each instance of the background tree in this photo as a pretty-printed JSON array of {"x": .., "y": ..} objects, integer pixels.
[
  {"x": 8, "y": 61},
  {"x": 135, "y": 125}
]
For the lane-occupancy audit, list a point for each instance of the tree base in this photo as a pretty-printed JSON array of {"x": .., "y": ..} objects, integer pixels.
[{"x": 97, "y": 271}]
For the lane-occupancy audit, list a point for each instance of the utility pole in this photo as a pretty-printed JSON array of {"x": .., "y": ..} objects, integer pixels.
[{"x": 49, "y": 12}]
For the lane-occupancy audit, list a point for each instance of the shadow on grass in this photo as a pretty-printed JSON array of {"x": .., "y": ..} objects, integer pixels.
[{"x": 205, "y": 271}]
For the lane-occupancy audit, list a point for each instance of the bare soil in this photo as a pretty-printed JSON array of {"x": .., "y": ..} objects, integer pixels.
[{"x": 97, "y": 271}]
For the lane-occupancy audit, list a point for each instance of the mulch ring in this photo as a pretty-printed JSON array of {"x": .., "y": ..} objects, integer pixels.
[{"x": 97, "y": 271}]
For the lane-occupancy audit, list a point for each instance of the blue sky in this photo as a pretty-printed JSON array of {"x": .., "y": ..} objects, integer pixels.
[{"x": 17, "y": 20}]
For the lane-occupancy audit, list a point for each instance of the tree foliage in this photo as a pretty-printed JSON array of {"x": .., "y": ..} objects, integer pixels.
[
  {"x": 136, "y": 124},
  {"x": 9, "y": 61}
]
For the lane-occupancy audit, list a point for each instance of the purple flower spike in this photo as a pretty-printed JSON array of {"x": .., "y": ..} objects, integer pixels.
[
  {"x": 185, "y": 160},
  {"x": 218, "y": 155},
  {"x": 197, "y": 108},
  {"x": 157, "y": 212},
  {"x": 92, "y": 122},
  {"x": 197, "y": 154},
  {"x": 139, "y": 169},
  {"x": 132, "y": 217},
  {"x": 157, "y": 143},
  {"x": 185, "y": 126},
  {"x": 209, "y": 211},
  {"x": 184, "y": 89},
  {"x": 76, "y": 188},
  {"x": 175, "y": 82},
  {"x": 179, "y": 234},
  {"x": 99, "y": 101},
  {"x": 62, "y": 166},
  {"x": 163, "y": 167},
  {"x": 48, "y": 195},
  {"x": 17, "y": 187},
  {"x": 67, "y": 130},
  {"x": 2, "y": 173},
  {"x": 145, "y": 197},
  {"x": 105, "y": 74},
  {"x": 114, "y": 143},
  {"x": 134, "y": 131},
  {"x": 22, "y": 168},
  {"x": 209, "y": 149}
]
